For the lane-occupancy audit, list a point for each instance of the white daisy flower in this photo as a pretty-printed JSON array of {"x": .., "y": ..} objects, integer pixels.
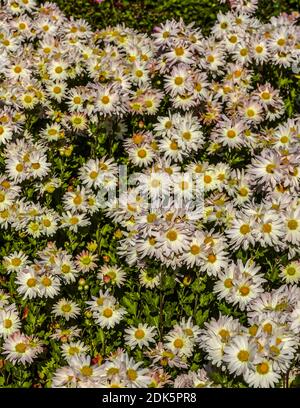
[
  {"x": 135, "y": 377},
  {"x": 15, "y": 261},
  {"x": 263, "y": 375},
  {"x": 19, "y": 348},
  {"x": 179, "y": 343},
  {"x": 140, "y": 336},
  {"x": 49, "y": 286},
  {"x": 66, "y": 308},
  {"x": 9, "y": 321},
  {"x": 28, "y": 282},
  {"x": 73, "y": 348},
  {"x": 109, "y": 315},
  {"x": 239, "y": 355},
  {"x": 291, "y": 272},
  {"x": 112, "y": 274}
]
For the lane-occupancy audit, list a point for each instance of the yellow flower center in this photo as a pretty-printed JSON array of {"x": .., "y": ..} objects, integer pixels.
[
  {"x": 174, "y": 145},
  {"x": 105, "y": 99},
  {"x": 77, "y": 200},
  {"x": 86, "y": 371},
  {"x": 65, "y": 268},
  {"x": 290, "y": 271},
  {"x": 77, "y": 100},
  {"x": 244, "y": 52},
  {"x": 16, "y": 261},
  {"x": 131, "y": 374},
  {"x": 172, "y": 235},
  {"x": 57, "y": 90},
  {"x": 250, "y": 112},
  {"x": 270, "y": 168},
  {"x": 284, "y": 139},
  {"x": 19, "y": 167},
  {"x": 31, "y": 283},
  {"x": 253, "y": 330},
  {"x": 224, "y": 334},
  {"x": 188, "y": 331},
  {"x": 139, "y": 73},
  {"x": 179, "y": 51},
  {"x": 35, "y": 166},
  {"x": 187, "y": 135},
  {"x": 275, "y": 350},
  {"x": 268, "y": 328},
  {"x": 28, "y": 99},
  {"x": 198, "y": 87},
  {"x": 77, "y": 120},
  {"x": 18, "y": 69},
  {"x": 73, "y": 350},
  {"x": 66, "y": 308},
  {"x": 281, "y": 42},
  {"x": 152, "y": 241},
  {"x": 86, "y": 260},
  {"x": 228, "y": 283},
  {"x": 34, "y": 226},
  {"x": 263, "y": 368},
  {"x": 211, "y": 258},
  {"x": 74, "y": 220},
  {"x": 4, "y": 214},
  {"x": 178, "y": 81},
  {"x": 47, "y": 223},
  {"x": 7, "y": 323},
  {"x": 5, "y": 183},
  {"x": 243, "y": 355},
  {"x": 151, "y": 218},
  {"x": 195, "y": 249},
  {"x": 107, "y": 312},
  {"x": 267, "y": 228},
  {"x": 207, "y": 179},
  {"x": 231, "y": 134},
  {"x": 266, "y": 95},
  {"x": 20, "y": 347},
  {"x": 139, "y": 334},
  {"x": 244, "y": 290},
  {"x": 178, "y": 343},
  {"x": 93, "y": 175},
  {"x": 292, "y": 224},
  {"x": 243, "y": 192},
  {"x": 137, "y": 138},
  {"x": 244, "y": 229},
  {"x": 149, "y": 104},
  {"x": 155, "y": 183},
  {"x": 142, "y": 153},
  {"x": 113, "y": 371},
  {"x": 46, "y": 281}
]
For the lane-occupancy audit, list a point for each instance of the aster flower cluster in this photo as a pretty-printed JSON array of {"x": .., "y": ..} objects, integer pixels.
[
  {"x": 265, "y": 349},
  {"x": 200, "y": 117}
]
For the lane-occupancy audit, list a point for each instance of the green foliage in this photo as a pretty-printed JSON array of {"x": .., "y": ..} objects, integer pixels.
[{"x": 143, "y": 15}]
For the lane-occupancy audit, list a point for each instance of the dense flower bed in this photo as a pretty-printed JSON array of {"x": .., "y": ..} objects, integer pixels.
[{"x": 190, "y": 276}]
